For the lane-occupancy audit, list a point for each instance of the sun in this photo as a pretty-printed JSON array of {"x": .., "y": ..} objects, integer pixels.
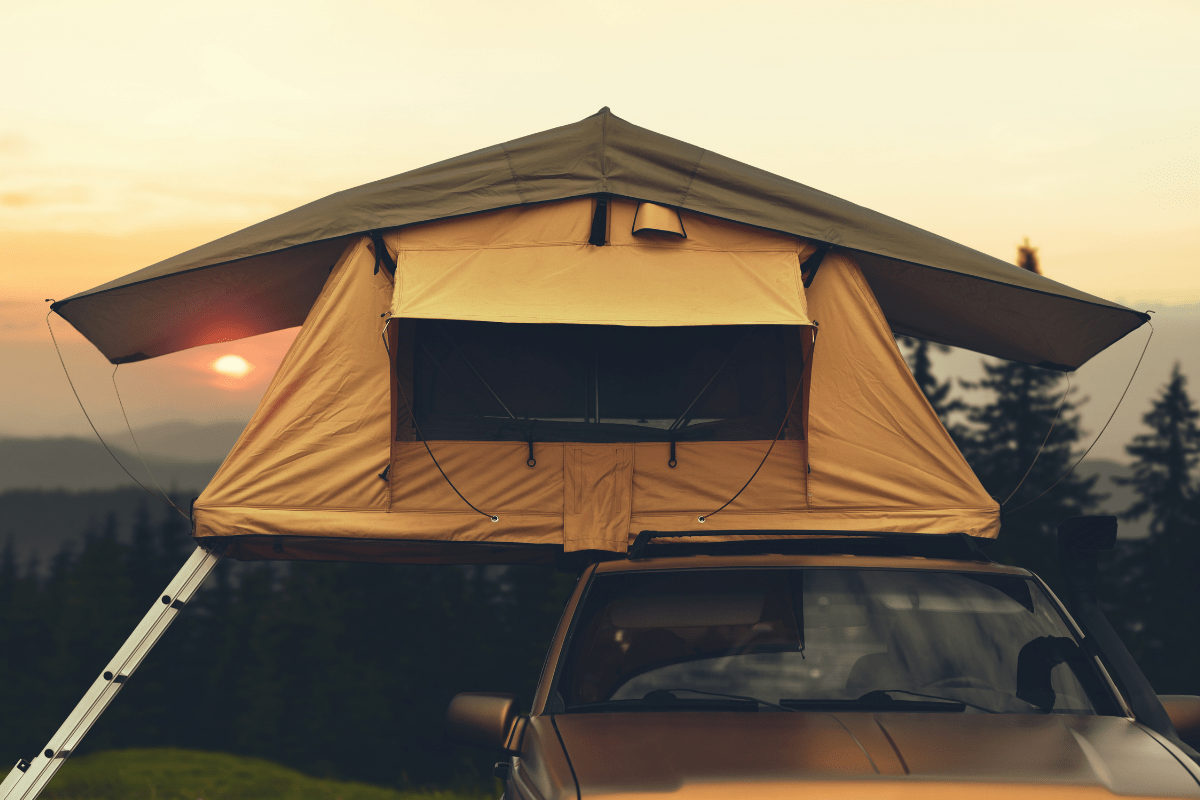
[{"x": 232, "y": 366}]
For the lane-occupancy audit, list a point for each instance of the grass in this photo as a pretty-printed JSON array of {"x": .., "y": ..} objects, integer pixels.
[{"x": 169, "y": 774}]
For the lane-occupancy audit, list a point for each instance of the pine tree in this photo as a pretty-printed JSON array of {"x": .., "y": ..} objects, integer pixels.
[
  {"x": 8, "y": 576},
  {"x": 1161, "y": 611},
  {"x": 1022, "y": 446},
  {"x": 1019, "y": 445},
  {"x": 1166, "y": 458},
  {"x": 935, "y": 391}
]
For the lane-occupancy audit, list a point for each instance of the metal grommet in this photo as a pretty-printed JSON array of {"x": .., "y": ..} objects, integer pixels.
[
  {"x": 494, "y": 518},
  {"x": 701, "y": 520}
]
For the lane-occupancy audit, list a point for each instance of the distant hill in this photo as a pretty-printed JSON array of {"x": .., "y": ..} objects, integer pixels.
[
  {"x": 79, "y": 464},
  {"x": 52, "y": 491},
  {"x": 182, "y": 440}
]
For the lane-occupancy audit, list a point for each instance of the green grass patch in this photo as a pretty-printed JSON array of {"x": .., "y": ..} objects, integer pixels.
[{"x": 169, "y": 774}]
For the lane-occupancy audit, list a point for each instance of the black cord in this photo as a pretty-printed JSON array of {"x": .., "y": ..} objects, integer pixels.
[
  {"x": 89, "y": 419},
  {"x": 1038, "y": 454},
  {"x": 413, "y": 412},
  {"x": 799, "y": 385},
  {"x": 1102, "y": 430},
  {"x": 138, "y": 447}
]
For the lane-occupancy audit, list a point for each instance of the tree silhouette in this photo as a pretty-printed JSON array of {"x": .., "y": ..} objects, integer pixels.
[
  {"x": 1165, "y": 459},
  {"x": 1160, "y": 611},
  {"x": 1021, "y": 443},
  {"x": 339, "y": 670}
]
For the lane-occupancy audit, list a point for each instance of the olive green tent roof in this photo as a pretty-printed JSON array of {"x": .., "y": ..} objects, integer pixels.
[{"x": 266, "y": 277}]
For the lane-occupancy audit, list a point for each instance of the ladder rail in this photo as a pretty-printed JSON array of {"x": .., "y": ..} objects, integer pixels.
[{"x": 27, "y": 779}]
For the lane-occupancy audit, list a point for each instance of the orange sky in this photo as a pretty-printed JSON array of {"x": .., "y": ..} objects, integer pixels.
[{"x": 132, "y": 131}]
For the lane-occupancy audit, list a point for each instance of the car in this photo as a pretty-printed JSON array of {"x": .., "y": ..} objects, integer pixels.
[{"x": 832, "y": 666}]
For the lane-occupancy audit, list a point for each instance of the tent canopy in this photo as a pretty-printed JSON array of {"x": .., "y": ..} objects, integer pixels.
[{"x": 268, "y": 276}]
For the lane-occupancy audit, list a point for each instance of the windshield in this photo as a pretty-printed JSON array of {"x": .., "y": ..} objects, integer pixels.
[{"x": 832, "y": 639}]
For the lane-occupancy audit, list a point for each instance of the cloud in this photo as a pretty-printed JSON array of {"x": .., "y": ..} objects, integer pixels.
[
  {"x": 51, "y": 193},
  {"x": 117, "y": 201},
  {"x": 13, "y": 144},
  {"x": 17, "y": 199},
  {"x": 21, "y": 320}
]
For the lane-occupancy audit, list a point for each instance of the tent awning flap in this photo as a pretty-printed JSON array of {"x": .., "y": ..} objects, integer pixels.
[
  {"x": 533, "y": 264},
  {"x": 1003, "y": 319},
  {"x": 602, "y": 154},
  {"x": 219, "y": 304}
]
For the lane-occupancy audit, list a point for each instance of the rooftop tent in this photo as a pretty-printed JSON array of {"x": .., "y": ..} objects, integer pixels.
[
  {"x": 552, "y": 344},
  {"x": 580, "y": 393},
  {"x": 267, "y": 276}
]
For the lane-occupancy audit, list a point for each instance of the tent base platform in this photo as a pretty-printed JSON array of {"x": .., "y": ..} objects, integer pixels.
[{"x": 956, "y": 546}]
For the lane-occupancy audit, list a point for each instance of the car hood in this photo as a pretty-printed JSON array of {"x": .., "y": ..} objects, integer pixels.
[{"x": 701, "y": 755}]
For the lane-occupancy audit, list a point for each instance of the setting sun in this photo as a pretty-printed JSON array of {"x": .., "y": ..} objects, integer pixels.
[{"x": 232, "y": 366}]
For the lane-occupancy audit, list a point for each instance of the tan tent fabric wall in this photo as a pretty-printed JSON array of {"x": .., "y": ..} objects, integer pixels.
[
  {"x": 533, "y": 264},
  {"x": 878, "y": 450},
  {"x": 322, "y": 431},
  {"x": 306, "y": 468}
]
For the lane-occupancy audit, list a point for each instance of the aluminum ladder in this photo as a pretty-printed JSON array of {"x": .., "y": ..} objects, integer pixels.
[{"x": 28, "y": 778}]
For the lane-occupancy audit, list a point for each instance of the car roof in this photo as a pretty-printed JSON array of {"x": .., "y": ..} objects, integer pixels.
[{"x": 776, "y": 560}]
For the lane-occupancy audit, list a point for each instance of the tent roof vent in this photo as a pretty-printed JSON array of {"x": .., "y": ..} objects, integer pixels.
[{"x": 652, "y": 218}]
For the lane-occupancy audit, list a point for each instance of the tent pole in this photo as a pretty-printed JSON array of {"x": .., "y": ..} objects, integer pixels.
[{"x": 28, "y": 778}]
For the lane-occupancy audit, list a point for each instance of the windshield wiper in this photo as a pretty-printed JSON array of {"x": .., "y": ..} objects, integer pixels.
[
  {"x": 871, "y": 705},
  {"x": 666, "y": 700},
  {"x": 954, "y": 700},
  {"x": 691, "y": 704},
  {"x": 716, "y": 694}
]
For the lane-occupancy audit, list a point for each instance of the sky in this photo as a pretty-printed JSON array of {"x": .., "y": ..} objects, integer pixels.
[{"x": 130, "y": 132}]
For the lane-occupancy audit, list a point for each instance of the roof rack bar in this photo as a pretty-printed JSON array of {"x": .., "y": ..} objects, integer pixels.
[{"x": 971, "y": 550}]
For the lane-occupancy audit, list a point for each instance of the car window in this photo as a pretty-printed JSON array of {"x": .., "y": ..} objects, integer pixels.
[{"x": 804, "y": 639}]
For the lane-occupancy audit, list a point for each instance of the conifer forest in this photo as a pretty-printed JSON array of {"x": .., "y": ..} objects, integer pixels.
[{"x": 345, "y": 670}]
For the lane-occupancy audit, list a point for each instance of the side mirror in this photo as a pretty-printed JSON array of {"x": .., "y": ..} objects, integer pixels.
[
  {"x": 1184, "y": 711},
  {"x": 485, "y": 719}
]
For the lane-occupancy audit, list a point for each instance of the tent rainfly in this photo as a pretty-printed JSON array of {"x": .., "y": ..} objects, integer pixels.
[{"x": 550, "y": 345}]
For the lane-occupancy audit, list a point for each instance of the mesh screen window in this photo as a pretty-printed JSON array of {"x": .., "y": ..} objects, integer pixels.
[{"x": 593, "y": 383}]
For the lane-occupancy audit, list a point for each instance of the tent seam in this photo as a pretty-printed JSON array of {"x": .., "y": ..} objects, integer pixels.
[
  {"x": 815, "y": 510},
  {"x": 907, "y": 511},
  {"x": 649, "y": 322},
  {"x": 353, "y": 510},
  {"x": 512, "y": 171},
  {"x": 604, "y": 152},
  {"x": 687, "y": 190},
  {"x": 682, "y": 246}
]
